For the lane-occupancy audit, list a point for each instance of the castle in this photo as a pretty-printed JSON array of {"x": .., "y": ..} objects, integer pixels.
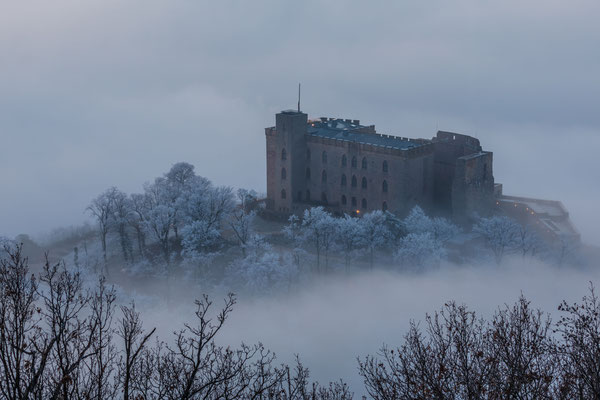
[{"x": 350, "y": 168}]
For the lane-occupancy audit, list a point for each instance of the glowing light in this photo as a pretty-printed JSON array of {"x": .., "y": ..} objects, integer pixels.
[{"x": 358, "y": 211}]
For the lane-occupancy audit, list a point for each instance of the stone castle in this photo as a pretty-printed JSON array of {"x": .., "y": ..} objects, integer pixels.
[{"x": 350, "y": 168}]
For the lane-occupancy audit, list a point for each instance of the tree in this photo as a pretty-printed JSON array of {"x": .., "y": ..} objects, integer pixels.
[
  {"x": 374, "y": 233},
  {"x": 348, "y": 235},
  {"x": 101, "y": 208},
  {"x": 317, "y": 230},
  {"x": 419, "y": 249},
  {"x": 120, "y": 215},
  {"x": 500, "y": 234}
]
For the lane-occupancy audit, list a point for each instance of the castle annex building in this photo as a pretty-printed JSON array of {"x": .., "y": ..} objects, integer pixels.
[{"x": 350, "y": 168}]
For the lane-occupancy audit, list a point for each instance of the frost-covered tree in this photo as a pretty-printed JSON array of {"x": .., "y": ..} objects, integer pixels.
[
  {"x": 419, "y": 250},
  {"x": 440, "y": 228},
  {"x": 375, "y": 233},
  {"x": 137, "y": 217},
  {"x": 316, "y": 231},
  {"x": 101, "y": 209},
  {"x": 262, "y": 269},
  {"x": 349, "y": 237},
  {"x": 121, "y": 208},
  {"x": 242, "y": 218},
  {"x": 500, "y": 233}
]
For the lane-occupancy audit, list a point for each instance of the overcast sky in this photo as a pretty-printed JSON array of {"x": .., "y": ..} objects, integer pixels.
[{"x": 95, "y": 94}]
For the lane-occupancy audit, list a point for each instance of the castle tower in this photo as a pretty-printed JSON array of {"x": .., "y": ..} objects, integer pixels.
[{"x": 286, "y": 159}]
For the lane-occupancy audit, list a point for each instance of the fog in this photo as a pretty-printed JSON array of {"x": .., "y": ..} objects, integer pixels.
[
  {"x": 97, "y": 94},
  {"x": 334, "y": 321}
]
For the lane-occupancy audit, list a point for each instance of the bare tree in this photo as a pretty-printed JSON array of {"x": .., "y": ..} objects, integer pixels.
[{"x": 101, "y": 208}]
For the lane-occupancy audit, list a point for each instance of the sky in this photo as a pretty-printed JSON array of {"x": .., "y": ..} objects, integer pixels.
[{"x": 110, "y": 93}]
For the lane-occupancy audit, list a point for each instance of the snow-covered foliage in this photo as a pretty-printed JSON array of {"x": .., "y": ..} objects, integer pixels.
[
  {"x": 440, "y": 228},
  {"x": 374, "y": 233},
  {"x": 317, "y": 231},
  {"x": 500, "y": 233},
  {"x": 419, "y": 250},
  {"x": 262, "y": 269}
]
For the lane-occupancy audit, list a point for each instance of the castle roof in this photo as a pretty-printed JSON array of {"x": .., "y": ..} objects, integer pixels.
[{"x": 352, "y": 131}]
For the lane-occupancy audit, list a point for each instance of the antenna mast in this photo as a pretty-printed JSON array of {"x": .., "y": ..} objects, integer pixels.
[{"x": 298, "y": 97}]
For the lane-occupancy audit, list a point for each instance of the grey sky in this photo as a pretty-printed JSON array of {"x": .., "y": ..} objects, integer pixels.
[{"x": 95, "y": 94}]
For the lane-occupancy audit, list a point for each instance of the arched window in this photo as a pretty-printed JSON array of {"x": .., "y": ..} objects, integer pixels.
[
  {"x": 307, "y": 195},
  {"x": 384, "y": 206},
  {"x": 324, "y": 157},
  {"x": 353, "y": 161},
  {"x": 364, "y": 163},
  {"x": 343, "y": 200},
  {"x": 364, "y": 204},
  {"x": 307, "y": 173},
  {"x": 299, "y": 195},
  {"x": 354, "y": 181},
  {"x": 323, "y": 197},
  {"x": 363, "y": 183},
  {"x": 283, "y": 155},
  {"x": 283, "y": 193},
  {"x": 354, "y": 202},
  {"x": 385, "y": 166},
  {"x": 308, "y": 154},
  {"x": 343, "y": 179},
  {"x": 283, "y": 173},
  {"x": 384, "y": 187},
  {"x": 324, "y": 176},
  {"x": 344, "y": 160}
]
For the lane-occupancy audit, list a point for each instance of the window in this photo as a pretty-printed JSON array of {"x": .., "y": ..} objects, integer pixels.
[
  {"x": 364, "y": 204},
  {"x": 299, "y": 195},
  {"x": 354, "y": 182},
  {"x": 343, "y": 179},
  {"x": 324, "y": 157},
  {"x": 384, "y": 206},
  {"x": 343, "y": 200},
  {"x": 323, "y": 197},
  {"x": 344, "y": 160},
  {"x": 283, "y": 193},
  {"x": 353, "y": 162},
  {"x": 384, "y": 187},
  {"x": 283, "y": 173},
  {"x": 385, "y": 166},
  {"x": 363, "y": 183},
  {"x": 364, "y": 163},
  {"x": 324, "y": 176},
  {"x": 354, "y": 202},
  {"x": 307, "y": 195},
  {"x": 283, "y": 155},
  {"x": 307, "y": 173}
]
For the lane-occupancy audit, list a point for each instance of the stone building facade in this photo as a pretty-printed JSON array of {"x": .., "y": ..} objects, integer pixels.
[{"x": 350, "y": 168}]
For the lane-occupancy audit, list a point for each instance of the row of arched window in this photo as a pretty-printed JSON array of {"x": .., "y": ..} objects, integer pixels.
[
  {"x": 354, "y": 183},
  {"x": 354, "y": 161},
  {"x": 344, "y": 200}
]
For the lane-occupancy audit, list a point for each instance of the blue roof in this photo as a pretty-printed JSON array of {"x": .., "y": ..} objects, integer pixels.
[{"x": 351, "y": 131}]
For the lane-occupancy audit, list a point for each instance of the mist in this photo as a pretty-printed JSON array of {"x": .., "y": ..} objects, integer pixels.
[
  {"x": 88, "y": 91},
  {"x": 333, "y": 321}
]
